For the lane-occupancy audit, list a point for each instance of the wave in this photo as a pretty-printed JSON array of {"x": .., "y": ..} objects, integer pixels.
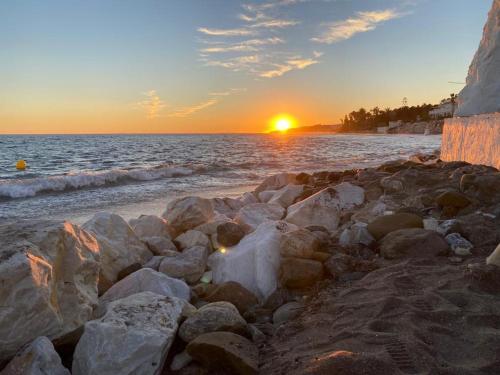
[{"x": 32, "y": 186}]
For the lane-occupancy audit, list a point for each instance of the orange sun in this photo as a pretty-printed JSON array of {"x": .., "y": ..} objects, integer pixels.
[{"x": 282, "y": 123}]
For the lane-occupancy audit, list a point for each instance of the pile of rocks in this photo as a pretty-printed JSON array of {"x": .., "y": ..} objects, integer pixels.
[{"x": 203, "y": 286}]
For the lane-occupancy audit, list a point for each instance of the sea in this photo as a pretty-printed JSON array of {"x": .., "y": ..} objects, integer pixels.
[{"x": 74, "y": 176}]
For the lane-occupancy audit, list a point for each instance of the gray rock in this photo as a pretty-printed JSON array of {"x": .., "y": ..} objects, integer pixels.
[
  {"x": 187, "y": 213},
  {"x": 413, "y": 242},
  {"x": 287, "y": 312},
  {"x": 188, "y": 265},
  {"x": 299, "y": 243},
  {"x": 229, "y": 234},
  {"x": 458, "y": 244}
]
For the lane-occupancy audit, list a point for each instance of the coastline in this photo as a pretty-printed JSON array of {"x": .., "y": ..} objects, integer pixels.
[{"x": 359, "y": 270}]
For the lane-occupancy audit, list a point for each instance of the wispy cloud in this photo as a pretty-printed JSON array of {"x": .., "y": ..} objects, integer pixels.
[
  {"x": 251, "y": 45},
  {"x": 289, "y": 65},
  {"x": 228, "y": 92},
  {"x": 227, "y": 32},
  {"x": 187, "y": 111},
  {"x": 152, "y": 104},
  {"x": 362, "y": 22}
]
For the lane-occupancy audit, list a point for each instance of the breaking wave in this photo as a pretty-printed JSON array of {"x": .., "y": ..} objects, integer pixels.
[{"x": 30, "y": 187}]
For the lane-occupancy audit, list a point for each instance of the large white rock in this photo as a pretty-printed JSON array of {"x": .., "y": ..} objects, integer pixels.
[
  {"x": 150, "y": 226},
  {"x": 276, "y": 182},
  {"x": 286, "y": 196},
  {"x": 188, "y": 265},
  {"x": 252, "y": 215},
  {"x": 255, "y": 261},
  {"x": 349, "y": 195},
  {"x": 187, "y": 213},
  {"x": 494, "y": 257},
  {"x": 48, "y": 281},
  {"x": 482, "y": 92},
  {"x": 120, "y": 247},
  {"x": 144, "y": 280},
  {"x": 322, "y": 208},
  {"x": 134, "y": 337},
  {"x": 39, "y": 358}
]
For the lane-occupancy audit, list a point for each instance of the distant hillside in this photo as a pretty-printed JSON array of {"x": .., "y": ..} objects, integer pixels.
[{"x": 314, "y": 129}]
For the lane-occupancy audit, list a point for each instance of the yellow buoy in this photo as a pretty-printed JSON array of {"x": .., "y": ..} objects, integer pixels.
[{"x": 21, "y": 164}]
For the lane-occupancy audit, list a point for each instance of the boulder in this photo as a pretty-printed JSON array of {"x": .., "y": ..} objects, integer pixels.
[
  {"x": 119, "y": 246},
  {"x": 453, "y": 199},
  {"x": 357, "y": 234},
  {"x": 287, "y": 312},
  {"x": 38, "y": 358},
  {"x": 458, "y": 244},
  {"x": 349, "y": 195},
  {"x": 180, "y": 361},
  {"x": 210, "y": 228},
  {"x": 144, "y": 280},
  {"x": 154, "y": 262},
  {"x": 134, "y": 336},
  {"x": 252, "y": 215},
  {"x": 340, "y": 264},
  {"x": 150, "y": 226},
  {"x": 49, "y": 272},
  {"x": 483, "y": 187},
  {"x": 255, "y": 261},
  {"x": 226, "y": 206},
  {"x": 248, "y": 198},
  {"x": 159, "y": 245},
  {"x": 287, "y": 196},
  {"x": 229, "y": 234},
  {"x": 187, "y": 213},
  {"x": 276, "y": 182},
  {"x": 383, "y": 225},
  {"x": 494, "y": 257},
  {"x": 188, "y": 265},
  {"x": 265, "y": 196},
  {"x": 300, "y": 273},
  {"x": 322, "y": 208},
  {"x": 213, "y": 317},
  {"x": 192, "y": 238},
  {"x": 225, "y": 351},
  {"x": 299, "y": 243},
  {"x": 234, "y": 293},
  {"x": 414, "y": 242}
]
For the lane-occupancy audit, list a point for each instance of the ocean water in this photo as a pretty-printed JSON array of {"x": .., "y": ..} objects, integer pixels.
[{"x": 78, "y": 175}]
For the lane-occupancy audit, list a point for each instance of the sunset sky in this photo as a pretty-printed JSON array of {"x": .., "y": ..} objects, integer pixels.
[{"x": 202, "y": 66}]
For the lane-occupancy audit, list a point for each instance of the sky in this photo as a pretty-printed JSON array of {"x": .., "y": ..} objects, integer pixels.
[{"x": 224, "y": 66}]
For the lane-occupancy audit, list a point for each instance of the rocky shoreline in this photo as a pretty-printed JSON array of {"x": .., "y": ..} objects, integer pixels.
[{"x": 394, "y": 269}]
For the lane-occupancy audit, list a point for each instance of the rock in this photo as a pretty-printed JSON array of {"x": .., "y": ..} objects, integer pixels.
[
  {"x": 193, "y": 238},
  {"x": 340, "y": 264},
  {"x": 229, "y": 234},
  {"x": 38, "y": 358},
  {"x": 188, "y": 265},
  {"x": 414, "y": 242},
  {"x": 226, "y": 351},
  {"x": 431, "y": 224},
  {"x": 226, "y": 206},
  {"x": 483, "y": 187},
  {"x": 202, "y": 289},
  {"x": 128, "y": 270},
  {"x": 234, "y": 293},
  {"x": 458, "y": 244},
  {"x": 154, "y": 262},
  {"x": 252, "y": 215},
  {"x": 48, "y": 276},
  {"x": 210, "y": 228},
  {"x": 144, "y": 280},
  {"x": 180, "y": 361},
  {"x": 349, "y": 195},
  {"x": 215, "y": 316},
  {"x": 320, "y": 256},
  {"x": 150, "y": 226},
  {"x": 254, "y": 262},
  {"x": 287, "y": 196},
  {"x": 187, "y": 213},
  {"x": 287, "y": 312},
  {"x": 248, "y": 198},
  {"x": 265, "y": 196},
  {"x": 482, "y": 231},
  {"x": 276, "y": 182},
  {"x": 391, "y": 185},
  {"x": 494, "y": 258},
  {"x": 357, "y": 234},
  {"x": 370, "y": 211},
  {"x": 134, "y": 336},
  {"x": 119, "y": 246},
  {"x": 257, "y": 335},
  {"x": 159, "y": 245},
  {"x": 453, "y": 199},
  {"x": 299, "y": 243},
  {"x": 449, "y": 226},
  {"x": 322, "y": 208},
  {"x": 300, "y": 273},
  {"x": 383, "y": 225}
]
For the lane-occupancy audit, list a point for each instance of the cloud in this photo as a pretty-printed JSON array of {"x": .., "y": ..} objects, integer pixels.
[
  {"x": 295, "y": 63},
  {"x": 251, "y": 45},
  {"x": 362, "y": 22},
  {"x": 152, "y": 104},
  {"x": 275, "y": 24},
  {"x": 226, "y": 32},
  {"x": 187, "y": 111},
  {"x": 229, "y": 92}
]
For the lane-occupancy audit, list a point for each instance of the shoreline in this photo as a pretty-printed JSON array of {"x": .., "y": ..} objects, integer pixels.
[{"x": 376, "y": 264}]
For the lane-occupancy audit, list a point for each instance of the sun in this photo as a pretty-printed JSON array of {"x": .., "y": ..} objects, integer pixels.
[{"x": 282, "y": 123}]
